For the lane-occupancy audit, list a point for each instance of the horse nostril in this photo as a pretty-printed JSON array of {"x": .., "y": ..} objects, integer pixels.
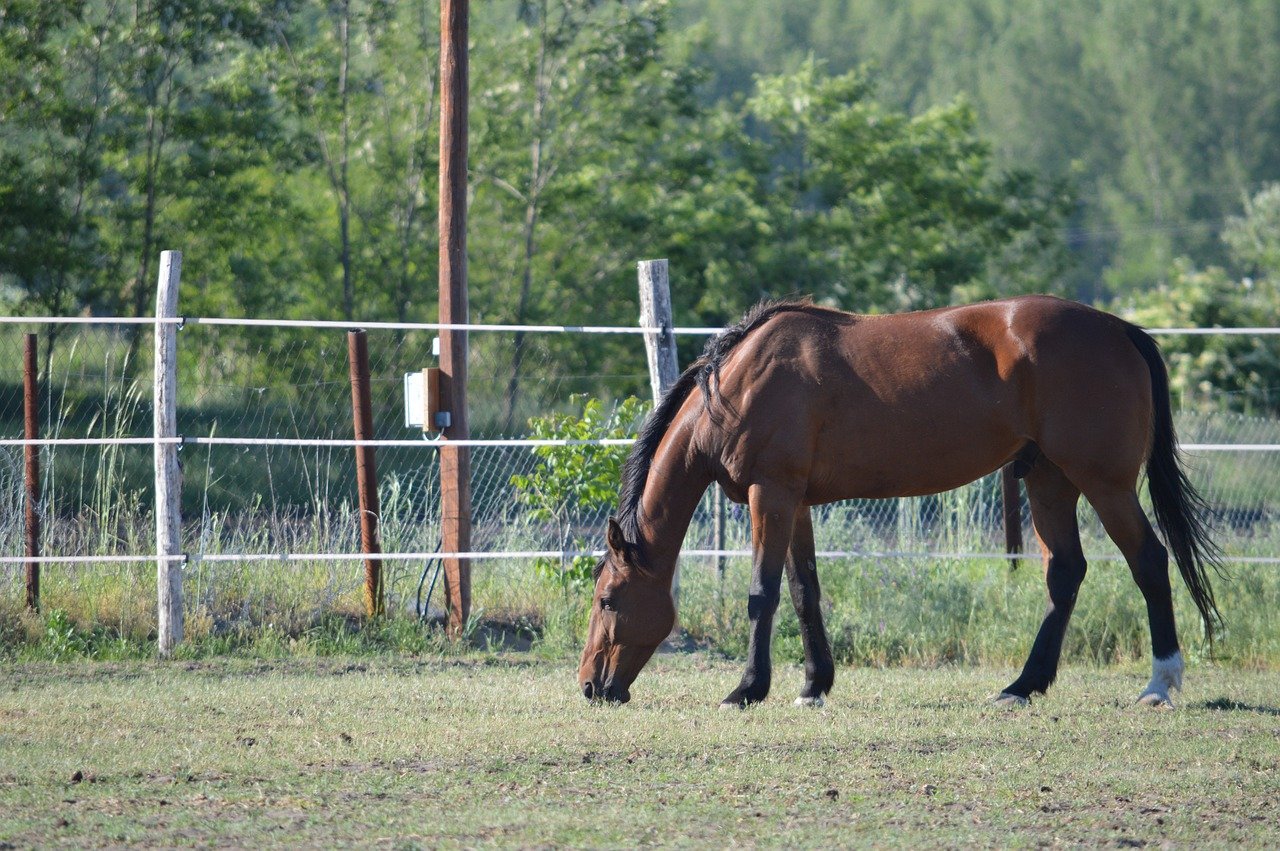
[{"x": 588, "y": 690}]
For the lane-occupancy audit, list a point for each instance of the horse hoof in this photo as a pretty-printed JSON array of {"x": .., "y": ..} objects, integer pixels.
[
  {"x": 731, "y": 704},
  {"x": 815, "y": 702},
  {"x": 1005, "y": 700},
  {"x": 1155, "y": 700}
]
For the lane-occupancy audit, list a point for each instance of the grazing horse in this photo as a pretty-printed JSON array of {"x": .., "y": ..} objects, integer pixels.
[{"x": 800, "y": 405}]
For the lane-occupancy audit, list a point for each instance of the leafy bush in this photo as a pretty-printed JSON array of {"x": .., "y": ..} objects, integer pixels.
[
  {"x": 572, "y": 484},
  {"x": 1216, "y": 372}
]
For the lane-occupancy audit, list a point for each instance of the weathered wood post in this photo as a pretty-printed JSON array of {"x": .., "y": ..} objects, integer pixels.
[
  {"x": 455, "y": 461},
  {"x": 366, "y": 470},
  {"x": 167, "y": 474},
  {"x": 655, "y": 312},
  {"x": 659, "y": 346},
  {"x": 1011, "y": 503},
  {"x": 31, "y": 469}
]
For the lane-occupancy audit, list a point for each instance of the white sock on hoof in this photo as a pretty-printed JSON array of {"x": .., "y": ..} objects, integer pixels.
[
  {"x": 810, "y": 701},
  {"x": 1166, "y": 676}
]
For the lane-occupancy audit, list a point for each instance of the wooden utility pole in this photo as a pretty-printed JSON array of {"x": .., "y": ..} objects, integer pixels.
[
  {"x": 366, "y": 470},
  {"x": 31, "y": 472},
  {"x": 455, "y": 462}
]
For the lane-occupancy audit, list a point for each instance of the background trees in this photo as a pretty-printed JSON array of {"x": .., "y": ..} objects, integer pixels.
[
  {"x": 1164, "y": 113},
  {"x": 878, "y": 154}
]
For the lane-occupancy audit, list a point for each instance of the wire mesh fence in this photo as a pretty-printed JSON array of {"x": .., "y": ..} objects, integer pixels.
[{"x": 264, "y": 382}]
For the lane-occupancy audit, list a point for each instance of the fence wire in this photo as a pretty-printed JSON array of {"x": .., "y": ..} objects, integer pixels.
[{"x": 266, "y": 382}]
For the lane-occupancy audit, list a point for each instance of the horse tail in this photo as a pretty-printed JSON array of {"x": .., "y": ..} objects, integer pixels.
[{"x": 1179, "y": 509}]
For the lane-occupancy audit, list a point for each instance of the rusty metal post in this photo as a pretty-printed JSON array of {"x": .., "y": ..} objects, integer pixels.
[
  {"x": 31, "y": 470},
  {"x": 366, "y": 470},
  {"x": 1011, "y": 500},
  {"x": 455, "y": 462}
]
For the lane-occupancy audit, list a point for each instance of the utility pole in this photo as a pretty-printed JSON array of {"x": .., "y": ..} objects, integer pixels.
[{"x": 455, "y": 461}]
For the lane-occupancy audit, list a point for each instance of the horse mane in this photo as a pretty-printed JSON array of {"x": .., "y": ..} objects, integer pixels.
[{"x": 701, "y": 374}]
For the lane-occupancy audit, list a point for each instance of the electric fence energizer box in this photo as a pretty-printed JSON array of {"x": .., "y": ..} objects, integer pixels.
[{"x": 422, "y": 398}]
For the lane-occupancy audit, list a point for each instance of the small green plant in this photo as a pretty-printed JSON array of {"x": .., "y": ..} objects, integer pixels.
[
  {"x": 569, "y": 482},
  {"x": 62, "y": 640}
]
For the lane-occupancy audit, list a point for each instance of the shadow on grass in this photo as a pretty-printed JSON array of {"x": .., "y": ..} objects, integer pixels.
[{"x": 1223, "y": 704}]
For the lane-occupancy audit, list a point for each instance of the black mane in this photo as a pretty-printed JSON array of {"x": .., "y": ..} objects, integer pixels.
[{"x": 700, "y": 374}]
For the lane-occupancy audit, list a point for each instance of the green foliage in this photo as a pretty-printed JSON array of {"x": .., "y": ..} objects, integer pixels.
[
  {"x": 312, "y": 127},
  {"x": 573, "y": 481},
  {"x": 892, "y": 211},
  {"x": 62, "y": 640},
  {"x": 1162, "y": 112},
  {"x": 1232, "y": 372}
]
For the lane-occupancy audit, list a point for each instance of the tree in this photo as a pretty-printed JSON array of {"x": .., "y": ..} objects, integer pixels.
[
  {"x": 1231, "y": 372},
  {"x": 562, "y": 128},
  {"x": 360, "y": 79},
  {"x": 836, "y": 195}
]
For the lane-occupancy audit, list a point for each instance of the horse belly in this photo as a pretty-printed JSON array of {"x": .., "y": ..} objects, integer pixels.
[{"x": 935, "y": 442}]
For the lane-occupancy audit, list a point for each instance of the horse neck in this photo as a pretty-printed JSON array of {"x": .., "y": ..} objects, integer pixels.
[{"x": 675, "y": 485}]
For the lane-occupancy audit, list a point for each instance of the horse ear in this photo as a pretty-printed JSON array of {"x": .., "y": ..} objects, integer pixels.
[{"x": 617, "y": 541}]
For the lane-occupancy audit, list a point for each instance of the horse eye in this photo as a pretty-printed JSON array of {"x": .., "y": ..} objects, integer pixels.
[{"x": 607, "y": 604}]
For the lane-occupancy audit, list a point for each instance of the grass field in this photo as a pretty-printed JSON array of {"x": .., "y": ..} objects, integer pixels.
[{"x": 501, "y": 750}]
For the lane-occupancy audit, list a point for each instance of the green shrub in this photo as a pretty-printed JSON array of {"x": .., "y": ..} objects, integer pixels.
[{"x": 576, "y": 481}]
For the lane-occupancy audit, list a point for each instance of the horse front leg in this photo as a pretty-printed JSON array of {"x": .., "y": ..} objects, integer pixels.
[
  {"x": 772, "y": 519},
  {"x": 806, "y": 596}
]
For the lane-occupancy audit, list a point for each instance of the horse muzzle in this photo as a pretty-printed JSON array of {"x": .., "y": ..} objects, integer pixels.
[{"x": 608, "y": 692}]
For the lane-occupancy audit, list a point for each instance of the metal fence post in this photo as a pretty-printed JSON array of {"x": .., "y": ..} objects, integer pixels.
[
  {"x": 31, "y": 469},
  {"x": 168, "y": 476},
  {"x": 366, "y": 470},
  {"x": 1011, "y": 504}
]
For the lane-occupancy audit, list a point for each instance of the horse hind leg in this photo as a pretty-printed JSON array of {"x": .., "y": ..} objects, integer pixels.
[
  {"x": 806, "y": 596},
  {"x": 1148, "y": 560},
  {"x": 1053, "y": 501}
]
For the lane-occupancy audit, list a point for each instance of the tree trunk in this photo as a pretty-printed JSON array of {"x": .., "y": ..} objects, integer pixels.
[
  {"x": 344, "y": 191},
  {"x": 533, "y": 198}
]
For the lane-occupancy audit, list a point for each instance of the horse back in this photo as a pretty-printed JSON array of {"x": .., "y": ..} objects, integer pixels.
[{"x": 904, "y": 404}]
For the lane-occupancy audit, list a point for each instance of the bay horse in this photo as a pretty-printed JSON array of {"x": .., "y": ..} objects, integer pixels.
[{"x": 799, "y": 405}]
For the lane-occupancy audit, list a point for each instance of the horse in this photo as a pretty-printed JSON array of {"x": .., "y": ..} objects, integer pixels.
[{"x": 799, "y": 405}]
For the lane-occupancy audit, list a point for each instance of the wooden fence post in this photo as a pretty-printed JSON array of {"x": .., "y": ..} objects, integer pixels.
[
  {"x": 31, "y": 469},
  {"x": 366, "y": 470},
  {"x": 655, "y": 312},
  {"x": 660, "y": 346},
  {"x": 168, "y": 475}
]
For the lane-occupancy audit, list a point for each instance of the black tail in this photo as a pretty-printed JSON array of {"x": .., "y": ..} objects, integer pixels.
[{"x": 1178, "y": 508}]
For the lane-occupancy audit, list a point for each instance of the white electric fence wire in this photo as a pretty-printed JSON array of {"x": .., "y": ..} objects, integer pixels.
[
  {"x": 309, "y": 442},
  {"x": 194, "y": 558},
  {"x": 429, "y": 443},
  {"x": 436, "y": 444},
  {"x": 481, "y": 327}
]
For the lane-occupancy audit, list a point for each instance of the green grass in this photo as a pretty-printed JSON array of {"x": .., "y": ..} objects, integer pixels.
[
  {"x": 879, "y": 612},
  {"x": 501, "y": 751}
]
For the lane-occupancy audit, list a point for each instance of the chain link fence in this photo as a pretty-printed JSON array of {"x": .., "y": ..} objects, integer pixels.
[{"x": 293, "y": 383}]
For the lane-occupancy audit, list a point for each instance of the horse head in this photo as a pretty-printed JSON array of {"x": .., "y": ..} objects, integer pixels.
[{"x": 631, "y": 614}]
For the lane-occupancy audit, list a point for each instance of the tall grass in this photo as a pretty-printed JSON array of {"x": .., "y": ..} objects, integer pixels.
[{"x": 878, "y": 611}]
